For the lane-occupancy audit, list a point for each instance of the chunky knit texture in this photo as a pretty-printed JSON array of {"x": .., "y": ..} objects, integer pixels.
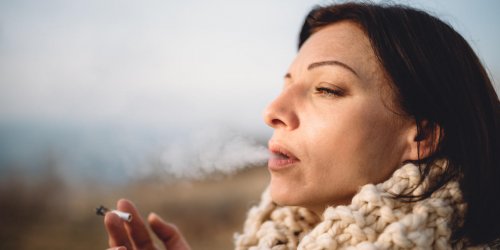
[{"x": 373, "y": 220}]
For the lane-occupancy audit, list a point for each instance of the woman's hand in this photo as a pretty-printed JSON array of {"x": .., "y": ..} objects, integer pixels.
[{"x": 135, "y": 236}]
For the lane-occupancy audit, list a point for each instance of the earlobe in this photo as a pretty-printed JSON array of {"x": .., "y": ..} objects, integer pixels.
[{"x": 423, "y": 140}]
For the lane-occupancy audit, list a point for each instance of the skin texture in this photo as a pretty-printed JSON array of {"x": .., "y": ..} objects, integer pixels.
[{"x": 336, "y": 115}]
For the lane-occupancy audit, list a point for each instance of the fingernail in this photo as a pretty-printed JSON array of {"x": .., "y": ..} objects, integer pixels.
[
  {"x": 150, "y": 217},
  {"x": 117, "y": 248}
]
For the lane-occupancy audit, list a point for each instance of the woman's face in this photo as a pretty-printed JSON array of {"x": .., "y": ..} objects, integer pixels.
[{"x": 335, "y": 127}]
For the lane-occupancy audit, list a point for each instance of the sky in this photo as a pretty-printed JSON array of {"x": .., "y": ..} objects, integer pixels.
[
  {"x": 166, "y": 67},
  {"x": 151, "y": 63}
]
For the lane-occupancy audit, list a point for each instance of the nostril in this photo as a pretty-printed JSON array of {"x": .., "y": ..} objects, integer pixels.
[
  {"x": 271, "y": 119},
  {"x": 277, "y": 123},
  {"x": 281, "y": 114}
]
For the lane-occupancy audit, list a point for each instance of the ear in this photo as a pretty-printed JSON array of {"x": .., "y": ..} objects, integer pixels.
[{"x": 422, "y": 140}]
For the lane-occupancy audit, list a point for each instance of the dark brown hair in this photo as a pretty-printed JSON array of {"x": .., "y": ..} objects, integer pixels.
[{"x": 438, "y": 81}]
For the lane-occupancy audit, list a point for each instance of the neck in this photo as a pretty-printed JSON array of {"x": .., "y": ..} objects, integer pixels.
[{"x": 319, "y": 209}]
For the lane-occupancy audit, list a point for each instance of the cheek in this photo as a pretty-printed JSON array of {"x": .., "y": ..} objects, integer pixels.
[
  {"x": 333, "y": 146},
  {"x": 336, "y": 131},
  {"x": 351, "y": 138}
]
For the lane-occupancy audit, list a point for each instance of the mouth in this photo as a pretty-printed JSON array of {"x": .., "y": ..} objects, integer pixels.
[{"x": 281, "y": 157}]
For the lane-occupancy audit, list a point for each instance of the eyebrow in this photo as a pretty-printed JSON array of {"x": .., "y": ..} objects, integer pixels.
[
  {"x": 327, "y": 63},
  {"x": 331, "y": 62}
]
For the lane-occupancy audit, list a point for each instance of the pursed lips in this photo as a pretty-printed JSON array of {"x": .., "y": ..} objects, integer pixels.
[{"x": 281, "y": 157}]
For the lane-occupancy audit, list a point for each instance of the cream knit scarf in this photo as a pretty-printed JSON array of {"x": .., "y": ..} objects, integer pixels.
[{"x": 373, "y": 220}]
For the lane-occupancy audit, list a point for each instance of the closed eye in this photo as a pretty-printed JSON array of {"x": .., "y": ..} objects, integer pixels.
[{"x": 328, "y": 92}]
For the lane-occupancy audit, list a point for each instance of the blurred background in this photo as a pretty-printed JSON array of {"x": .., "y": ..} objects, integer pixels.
[{"x": 156, "y": 101}]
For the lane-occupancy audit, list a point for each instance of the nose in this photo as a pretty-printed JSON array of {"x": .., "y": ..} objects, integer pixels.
[{"x": 281, "y": 113}]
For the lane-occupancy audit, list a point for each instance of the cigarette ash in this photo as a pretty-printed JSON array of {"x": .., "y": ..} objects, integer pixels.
[{"x": 102, "y": 210}]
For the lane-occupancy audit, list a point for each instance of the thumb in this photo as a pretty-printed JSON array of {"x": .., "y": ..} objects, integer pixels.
[{"x": 168, "y": 233}]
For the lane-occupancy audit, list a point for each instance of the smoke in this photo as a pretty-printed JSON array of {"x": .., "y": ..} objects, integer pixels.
[
  {"x": 207, "y": 153},
  {"x": 119, "y": 154}
]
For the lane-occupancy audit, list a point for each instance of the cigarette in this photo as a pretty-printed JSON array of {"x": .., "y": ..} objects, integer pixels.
[{"x": 102, "y": 210}]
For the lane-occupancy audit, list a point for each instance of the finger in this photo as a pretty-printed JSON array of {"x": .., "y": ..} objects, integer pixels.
[
  {"x": 117, "y": 234},
  {"x": 117, "y": 248},
  {"x": 168, "y": 233},
  {"x": 136, "y": 228}
]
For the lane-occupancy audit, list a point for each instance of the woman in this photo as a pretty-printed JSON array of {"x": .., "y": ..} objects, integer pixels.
[{"x": 385, "y": 137}]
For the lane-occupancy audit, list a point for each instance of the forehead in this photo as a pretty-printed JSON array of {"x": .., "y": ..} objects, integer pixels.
[{"x": 342, "y": 41}]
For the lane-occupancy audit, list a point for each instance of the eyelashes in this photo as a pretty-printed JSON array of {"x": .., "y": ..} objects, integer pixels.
[{"x": 329, "y": 92}]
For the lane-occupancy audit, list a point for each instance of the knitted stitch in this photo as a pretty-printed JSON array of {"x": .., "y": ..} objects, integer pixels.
[{"x": 373, "y": 220}]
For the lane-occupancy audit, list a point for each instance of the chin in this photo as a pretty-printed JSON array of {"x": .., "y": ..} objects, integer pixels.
[
  {"x": 284, "y": 195},
  {"x": 287, "y": 194}
]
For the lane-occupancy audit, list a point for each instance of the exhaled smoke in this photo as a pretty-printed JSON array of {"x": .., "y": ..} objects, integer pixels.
[{"x": 211, "y": 152}]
